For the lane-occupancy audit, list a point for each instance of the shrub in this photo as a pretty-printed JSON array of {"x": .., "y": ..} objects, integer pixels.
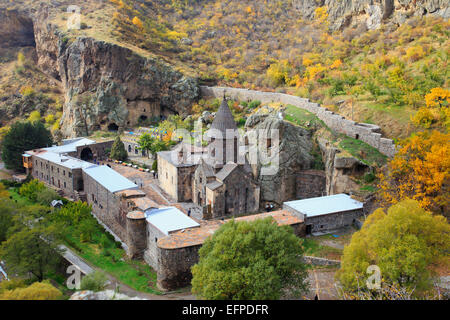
[
  {"x": 32, "y": 189},
  {"x": 12, "y": 284},
  {"x": 254, "y": 104},
  {"x": 37, "y": 291},
  {"x": 95, "y": 281},
  {"x": 46, "y": 196}
]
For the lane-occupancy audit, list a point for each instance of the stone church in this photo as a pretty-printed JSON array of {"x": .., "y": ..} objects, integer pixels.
[{"x": 217, "y": 178}]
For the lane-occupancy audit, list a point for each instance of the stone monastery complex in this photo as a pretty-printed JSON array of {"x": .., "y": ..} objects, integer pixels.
[{"x": 215, "y": 178}]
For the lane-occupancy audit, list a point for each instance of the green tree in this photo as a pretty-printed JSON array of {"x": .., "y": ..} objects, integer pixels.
[
  {"x": 403, "y": 243},
  {"x": 6, "y": 216},
  {"x": 118, "y": 151},
  {"x": 249, "y": 260},
  {"x": 32, "y": 189},
  {"x": 21, "y": 137},
  {"x": 31, "y": 246},
  {"x": 146, "y": 142}
]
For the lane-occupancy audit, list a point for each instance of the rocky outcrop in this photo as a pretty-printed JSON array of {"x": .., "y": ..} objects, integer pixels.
[
  {"x": 108, "y": 86},
  {"x": 16, "y": 29},
  {"x": 102, "y": 295},
  {"x": 340, "y": 170},
  {"x": 288, "y": 158},
  {"x": 343, "y": 13}
]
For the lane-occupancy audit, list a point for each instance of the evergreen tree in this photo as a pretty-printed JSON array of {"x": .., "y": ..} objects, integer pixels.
[
  {"x": 21, "y": 137},
  {"x": 118, "y": 151}
]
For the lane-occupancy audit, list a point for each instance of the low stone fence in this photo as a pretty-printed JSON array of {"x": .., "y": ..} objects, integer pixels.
[
  {"x": 320, "y": 261},
  {"x": 369, "y": 133}
]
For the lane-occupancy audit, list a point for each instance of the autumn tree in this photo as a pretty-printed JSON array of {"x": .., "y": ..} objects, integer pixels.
[
  {"x": 437, "y": 109},
  {"x": 36, "y": 291},
  {"x": 404, "y": 243},
  {"x": 421, "y": 171},
  {"x": 249, "y": 260}
]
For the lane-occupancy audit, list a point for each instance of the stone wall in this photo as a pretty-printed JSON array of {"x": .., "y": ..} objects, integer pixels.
[
  {"x": 167, "y": 177},
  {"x": 332, "y": 221},
  {"x": 98, "y": 149},
  {"x": 136, "y": 234},
  {"x": 151, "y": 253},
  {"x": 106, "y": 206},
  {"x": 320, "y": 261},
  {"x": 310, "y": 184},
  {"x": 368, "y": 133},
  {"x": 65, "y": 179},
  {"x": 175, "y": 267}
]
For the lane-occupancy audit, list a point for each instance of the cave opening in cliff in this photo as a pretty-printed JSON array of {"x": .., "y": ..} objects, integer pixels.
[
  {"x": 113, "y": 127},
  {"x": 86, "y": 154},
  {"x": 143, "y": 118}
]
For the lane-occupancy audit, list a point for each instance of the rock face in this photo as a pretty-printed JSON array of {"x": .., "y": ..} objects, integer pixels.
[
  {"x": 343, "y": 13},
  {"x": 339, "y": 169},
  {"x": 16, "y": 29},
  {"x": 108, "y": 86},
  {"x": 291, "y": 156}
]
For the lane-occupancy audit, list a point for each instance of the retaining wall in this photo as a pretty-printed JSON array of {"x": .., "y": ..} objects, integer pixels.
[{"x": 369, "y": 133}]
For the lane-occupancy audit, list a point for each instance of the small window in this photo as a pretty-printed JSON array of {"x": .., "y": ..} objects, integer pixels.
[
  {"x": 70, "y": 174},
  {"x": 64, "y": 184}
]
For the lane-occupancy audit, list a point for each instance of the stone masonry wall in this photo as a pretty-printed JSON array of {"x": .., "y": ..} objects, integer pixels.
[
  {"x": 175, "y": 267},
  {"x": 333, "y": 221},
  {"x": 310, "y": 184},
  {"x": 368, "y": 133},
  {"x": 105, "y": 205}
]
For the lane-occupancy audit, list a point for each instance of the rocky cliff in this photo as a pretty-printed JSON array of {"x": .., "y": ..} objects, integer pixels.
[
  {"x": 291, "y": 156},
  {"x": 371, "y": 13},
  {"x": 16, "y": 29},
  {"x": 106, "y": 86}
]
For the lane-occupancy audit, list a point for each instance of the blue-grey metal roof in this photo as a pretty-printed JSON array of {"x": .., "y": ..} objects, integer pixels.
[
  {"x": 70, "y": 145},
  {"x": 110, "y": 179},
  {"x": 325, "y": 205},
  {"x": 169, "y": 219}
]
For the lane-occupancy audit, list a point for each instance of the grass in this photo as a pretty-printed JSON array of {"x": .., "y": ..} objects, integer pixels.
[
  {"x": 314, "y": 248},
  {"x": 21, "y": 200},
  {"x": 364, "y": 152},
  {"x": 303, "y": 118},
  {"x": 104, "y": 253}
]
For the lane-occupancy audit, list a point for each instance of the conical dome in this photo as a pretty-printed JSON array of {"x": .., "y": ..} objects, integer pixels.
[{"x": 224, "y": 120}]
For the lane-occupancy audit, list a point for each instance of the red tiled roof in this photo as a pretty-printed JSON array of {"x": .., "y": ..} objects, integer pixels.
[{"x": 196, "y": 236}]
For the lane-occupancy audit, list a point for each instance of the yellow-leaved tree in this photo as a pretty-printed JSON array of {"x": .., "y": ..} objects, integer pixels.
[
  {"x": 437, "y": 109},
  {"x": 404, "y": 243},
  {"x": 421, "y": 171}
]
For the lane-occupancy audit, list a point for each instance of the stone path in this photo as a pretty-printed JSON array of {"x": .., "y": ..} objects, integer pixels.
[
  {"x": 322, "y": 284},
  {"x": 76, "y": 260}
]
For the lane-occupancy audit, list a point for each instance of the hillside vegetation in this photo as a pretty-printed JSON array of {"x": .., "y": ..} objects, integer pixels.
[{"x": 378, "y": 76}]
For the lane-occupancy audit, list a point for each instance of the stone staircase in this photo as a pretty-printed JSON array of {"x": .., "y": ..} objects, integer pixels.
[{"x": 80, "y": 196}]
